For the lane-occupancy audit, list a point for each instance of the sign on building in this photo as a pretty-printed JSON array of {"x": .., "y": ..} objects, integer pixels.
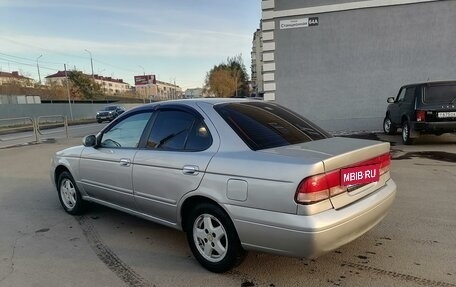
[
  {"x": 299, "y": 23},
  {"x": 144, "y": 80}
]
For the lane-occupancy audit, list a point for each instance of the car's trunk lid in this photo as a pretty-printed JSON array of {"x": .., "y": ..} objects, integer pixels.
[{"x": 338, "y": 153}]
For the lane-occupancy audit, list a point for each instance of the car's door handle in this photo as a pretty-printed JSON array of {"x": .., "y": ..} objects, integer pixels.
[
  {"x": 125, "y": 162},
  {"x": 190, "y": 170}
]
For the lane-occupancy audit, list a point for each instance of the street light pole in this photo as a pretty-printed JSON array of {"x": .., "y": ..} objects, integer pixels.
[
  {"x": 91, "y": 61},
  {"x": 68, "y": 91},
  {"x": 38, "y": 67}
]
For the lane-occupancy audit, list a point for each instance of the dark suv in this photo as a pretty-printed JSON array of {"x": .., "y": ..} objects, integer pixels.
[
  {"x": 109, "y": 113},
  {"x": 426, "y": 108}
]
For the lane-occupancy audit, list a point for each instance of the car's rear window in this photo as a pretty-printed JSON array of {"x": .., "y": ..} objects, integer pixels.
[
  {"x": 263, "y": 125},
  {"x": 440, "y": 94}
]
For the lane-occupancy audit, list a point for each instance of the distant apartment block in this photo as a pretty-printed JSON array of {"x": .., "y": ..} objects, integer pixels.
[
  {"x": 193, "y": 93},
  {"x": 147, "y": 87},
  {"x": 15, "y": 78},
  {"x": 108, "y": 84}
]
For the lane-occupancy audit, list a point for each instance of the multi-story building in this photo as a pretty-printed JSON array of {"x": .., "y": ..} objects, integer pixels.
[
  {"x": 111, "y": 85},
  {"x": 168, "y": 91},
  {"x": 193, "y": 93},
  {"x": 257, "y": 62},
  {"x": 108, "y": 84},
  {"x": 148, "y": 88},
  {"x": 337, "y": 61},
  {"x": 15, "y": 78}
]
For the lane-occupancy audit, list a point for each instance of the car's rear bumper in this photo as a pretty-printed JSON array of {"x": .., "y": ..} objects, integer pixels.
[
  {"x": 435, "y": 127},
  {"x": 312, "y": 235}
]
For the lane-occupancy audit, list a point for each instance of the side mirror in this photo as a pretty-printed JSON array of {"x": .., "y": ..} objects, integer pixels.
[
  {"x": 390, "y": 100},
  {"x": 89, "y": 141}
]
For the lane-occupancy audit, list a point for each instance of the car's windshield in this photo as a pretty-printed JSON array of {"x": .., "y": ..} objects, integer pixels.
[
  {"x": 262, "y": 125},
  {"x": 110, "y": 108},
  {"x": 440, "y": 94}
]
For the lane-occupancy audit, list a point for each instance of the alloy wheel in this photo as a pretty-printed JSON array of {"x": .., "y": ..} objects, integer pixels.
[
  {"x": 68, "y": 193},
  {"x": 210, "y": 238}
]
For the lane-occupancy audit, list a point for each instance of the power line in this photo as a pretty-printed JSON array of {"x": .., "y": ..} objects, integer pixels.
[
  {"x": 43, "y": 49},
  {"x": 26, "y": 64},
  {"x": 28, "y": 59},
  {"x": 49, "y": 51},
  {"x": 114, "y": 66}
]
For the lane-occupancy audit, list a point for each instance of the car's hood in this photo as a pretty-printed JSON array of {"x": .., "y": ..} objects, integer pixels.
[{"x": 71, "y": 151}]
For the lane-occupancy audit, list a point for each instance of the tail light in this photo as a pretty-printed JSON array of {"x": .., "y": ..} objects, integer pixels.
[
  {"x": 322, "y": 186},
  {"x": 420, "y": 116}
]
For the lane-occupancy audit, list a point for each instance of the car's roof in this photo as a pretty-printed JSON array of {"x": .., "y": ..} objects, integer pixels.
[
  {"x": 436, "y": 83},
  {"x": 212, "y": 101}
]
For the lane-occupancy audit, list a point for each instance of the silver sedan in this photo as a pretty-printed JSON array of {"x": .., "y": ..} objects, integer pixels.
[{"x": 234, "y": 174}]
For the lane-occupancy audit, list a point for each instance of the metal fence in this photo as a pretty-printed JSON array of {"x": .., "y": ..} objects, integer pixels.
[{"x": 13, "y": 129}]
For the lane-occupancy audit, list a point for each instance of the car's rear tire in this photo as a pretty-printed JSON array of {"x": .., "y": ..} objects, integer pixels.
[
  {"x": 99, "y": 121},
  {"x": 69, "y": 195},
  {"x": 388, "y": 127},
  {"x": 406, "y": 131},
  {"x": 213, "y": 238}
]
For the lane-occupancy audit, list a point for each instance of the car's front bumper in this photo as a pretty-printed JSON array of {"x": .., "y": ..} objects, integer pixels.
[
  {"x": 312, "y": 235},
  {"x": 106, "y": 118},
  {"x": 435, "y": 127}
]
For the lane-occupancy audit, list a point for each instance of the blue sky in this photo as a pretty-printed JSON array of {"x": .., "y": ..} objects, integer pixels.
[{"x": 176, "y": 40}]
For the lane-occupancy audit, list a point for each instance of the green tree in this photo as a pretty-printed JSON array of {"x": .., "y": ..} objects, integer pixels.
[
  {"x": 228, "y": 79},
  {"x": 84, "y": 86}
]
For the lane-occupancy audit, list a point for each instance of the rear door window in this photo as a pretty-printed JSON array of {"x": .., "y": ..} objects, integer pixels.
[
  {"x": 179, "y": 131},
  {"x": 440, "y": 94},
  {"x": 263, "y": 125}
]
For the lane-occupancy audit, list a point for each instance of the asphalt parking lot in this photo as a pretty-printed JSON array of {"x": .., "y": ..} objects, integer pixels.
[{"x": 41, "y": 245}]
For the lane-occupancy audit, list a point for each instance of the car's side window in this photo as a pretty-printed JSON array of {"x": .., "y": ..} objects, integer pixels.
[
  {"x": 199, "y": 137},
  {"x": 179, "y": 131},
  {"x": 409, "y": 95},
  {"x": 126, "y": 133},
  {"x": 401, "y": 95}
]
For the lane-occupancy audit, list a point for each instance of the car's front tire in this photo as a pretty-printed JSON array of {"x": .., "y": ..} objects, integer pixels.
[
  {"x": 388, "y": 127},
  {"x": 69, "y": 195},
  {"x": 213, "y": 238},
  {"x": 406, "y": 131}
]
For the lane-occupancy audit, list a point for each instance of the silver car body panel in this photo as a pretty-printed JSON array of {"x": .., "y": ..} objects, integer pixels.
[
  {"x": 310, "y": 236},
  {"x": 115, "y": 186},
  {"x": 255, "y": 188}
]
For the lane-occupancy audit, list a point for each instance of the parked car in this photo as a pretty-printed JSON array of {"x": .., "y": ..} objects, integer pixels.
[
  {"x": 234, "y": 174},
  {"x": 109, "y": 113},
  {"x": 426, "y": 108}
]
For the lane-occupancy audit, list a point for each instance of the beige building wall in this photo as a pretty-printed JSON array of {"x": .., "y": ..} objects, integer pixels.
[
  {"x": 160, "y": 91},
  {"x": 15, "y": 78},
  {"x": 111, "y": 87}
]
